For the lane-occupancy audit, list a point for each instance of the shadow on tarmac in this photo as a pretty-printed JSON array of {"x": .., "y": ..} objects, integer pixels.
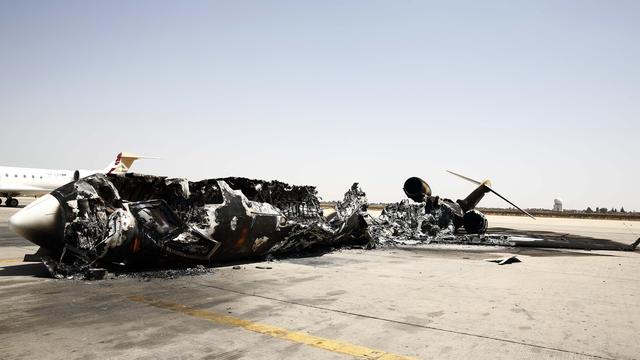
[
  {"x": 550, "y": 239},
  {"x": 27, "y": 269},
  {"x": 482, "y": 252}
]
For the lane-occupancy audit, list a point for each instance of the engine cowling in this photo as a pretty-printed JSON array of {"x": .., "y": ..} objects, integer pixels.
[
  {"x": 79, "y": 174},
  {"x": 474, "y": 222},
  {"x": 416, "y": 189}
]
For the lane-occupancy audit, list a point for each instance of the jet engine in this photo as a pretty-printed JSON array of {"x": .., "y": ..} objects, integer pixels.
[
  {"x": 474, "y": 222},
  {"x": 79, "y": 174},
  {"x": 417, "y": 189}
]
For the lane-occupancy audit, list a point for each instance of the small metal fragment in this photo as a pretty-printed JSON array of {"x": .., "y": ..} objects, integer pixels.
[{"x": 506, "y": 260}]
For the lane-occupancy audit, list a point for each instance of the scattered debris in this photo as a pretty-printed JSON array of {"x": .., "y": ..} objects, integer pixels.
[
  {"x": 264, "y": 267},
  {"x": 506, "y": 260},
  {"x": 236, "y": 267}
]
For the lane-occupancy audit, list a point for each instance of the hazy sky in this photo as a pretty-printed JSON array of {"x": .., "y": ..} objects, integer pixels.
[{"x": 543, "y": 97}]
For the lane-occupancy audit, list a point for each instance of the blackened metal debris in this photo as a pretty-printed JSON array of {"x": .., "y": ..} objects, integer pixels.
[
  {"x": 411, "y": 223},
  {"x": 507, "y": 260}
]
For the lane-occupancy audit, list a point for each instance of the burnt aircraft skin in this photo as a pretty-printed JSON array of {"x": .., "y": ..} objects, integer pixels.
[{"x": 136, "y": 221}]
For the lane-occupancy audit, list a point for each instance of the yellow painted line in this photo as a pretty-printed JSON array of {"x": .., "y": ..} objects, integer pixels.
[
  {"x": 10, "y": 261},
  {"x": 273, "y": 331}
]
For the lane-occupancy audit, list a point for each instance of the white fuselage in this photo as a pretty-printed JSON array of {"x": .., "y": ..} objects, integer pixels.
[
  {"x": 21, "y": 181},
  {"x": 16, "y": 181}
]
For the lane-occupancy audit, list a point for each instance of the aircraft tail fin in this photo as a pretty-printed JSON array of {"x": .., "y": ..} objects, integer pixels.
[
  {"x": 123, "y": 163},
  {"x": 484, "y": 186}
]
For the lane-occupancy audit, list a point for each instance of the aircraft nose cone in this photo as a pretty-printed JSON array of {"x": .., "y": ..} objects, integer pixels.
[{"x": 41, "y": 222}]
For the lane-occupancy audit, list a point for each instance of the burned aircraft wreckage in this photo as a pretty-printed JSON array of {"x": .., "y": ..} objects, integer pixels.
[
  {"x": 136, "y": 221},
  {"x": 133, "y": 221}
]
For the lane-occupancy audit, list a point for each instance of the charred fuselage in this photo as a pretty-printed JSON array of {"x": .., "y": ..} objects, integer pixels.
[{"x": 134, "y": 221}]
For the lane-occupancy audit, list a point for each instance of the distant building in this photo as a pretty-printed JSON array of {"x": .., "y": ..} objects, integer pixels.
[{"x": 557, "y": 204}]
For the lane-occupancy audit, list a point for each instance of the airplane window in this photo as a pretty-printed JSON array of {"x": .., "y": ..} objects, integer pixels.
[
  {"x": 40, "y": 177},
  {"x": 15, "y": 175},
  {"x": 33, "y": 176},
  {"x": 24, "y": 176}
]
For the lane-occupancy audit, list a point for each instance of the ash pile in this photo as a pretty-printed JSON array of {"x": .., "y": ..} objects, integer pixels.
[{"x": 132, "y": 221}]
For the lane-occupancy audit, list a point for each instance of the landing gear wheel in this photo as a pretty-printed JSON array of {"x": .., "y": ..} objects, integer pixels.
[{"x": 12, "y": 202}]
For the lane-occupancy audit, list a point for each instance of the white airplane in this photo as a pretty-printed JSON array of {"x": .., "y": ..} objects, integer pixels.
[{"x": 19, "y": 181}]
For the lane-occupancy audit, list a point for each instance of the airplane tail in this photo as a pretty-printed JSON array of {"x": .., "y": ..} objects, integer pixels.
[
  {"x": 476, "y": 195},
  {"x": 123, "y": 163}
]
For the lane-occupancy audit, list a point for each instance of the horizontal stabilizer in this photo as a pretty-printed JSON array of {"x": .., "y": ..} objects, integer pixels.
[
  {"x": 488, "y": 185},
  {"x": 123, "y": 162}
]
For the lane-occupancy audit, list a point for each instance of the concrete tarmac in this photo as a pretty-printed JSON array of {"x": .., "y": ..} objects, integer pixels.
[{"x": 421, "y": 302}]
